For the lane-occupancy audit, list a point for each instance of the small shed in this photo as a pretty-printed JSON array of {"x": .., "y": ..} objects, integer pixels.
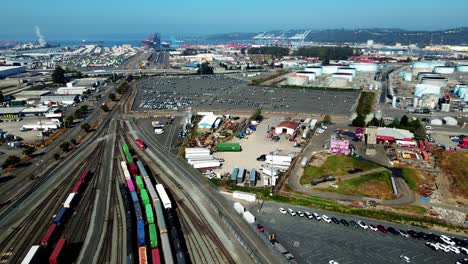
[{"x": 287, "y": 127}]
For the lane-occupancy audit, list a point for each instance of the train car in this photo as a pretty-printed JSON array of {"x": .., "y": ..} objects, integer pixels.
[
  {"x": 140, "y": 144},
  {"x": 151, "y": 191},
  {"x": 142, "y": 255},
  {"x": 139, "y": 183},
  {"x": 175, "y": 239},
  {"x": 166, "y": 202},
  {"x": 70, "y": 201},
  {"x": 160, "y": 218},
  {"x": 144, "y": 197},
  {"x": 155, "y": 256},
  {"x": 59, "y": 217},
  {"x": 77, "y": 186},
  {"x": 32, "y": 255},
  {"x": 142, "y": 169},
  {"x": 130, "y": 185},
  {"x": 149, "y": 214},
  {"x": 138, "y": 212},
  {"x": 133, "y": 169},
  {"x": 141, "y": 232},
  {"x": 125, "y": 148},
  {"x": 134, "y": 197},
  {"x": 56, "y": 255},
  {"x": 123, "y": 164},
  {"x": 153, "y": 236},
  {"x": 84, "y": 175},
  {"x": 180, "y": 257},
  {"x": 48, "y": 237}
]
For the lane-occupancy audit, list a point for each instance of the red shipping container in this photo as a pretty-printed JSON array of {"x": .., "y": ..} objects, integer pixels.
[
  {"x": 77, "y": 186},
  {"x": 142, "y": 255},
  {"x": 53, "y": 259},
  {"x": 133, "y": 169},
  {"x": 155, "y": 256},
  {"x": 45, "y": 240},
  {"x": 84, "y": 174}
]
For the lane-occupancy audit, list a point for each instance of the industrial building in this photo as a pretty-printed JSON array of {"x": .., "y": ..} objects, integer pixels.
[
  {"x": 72, "y": 90},
  {"x": 386, "y": 134},
  {"x": 11, "y": 112},
  {"x": 287, "y": 127},
  {"x": 6, "y": 71},
  {"x": 208, "y": 122},
  {"x": 60, "y": 99},
  {"x": 422, "y": 89}
]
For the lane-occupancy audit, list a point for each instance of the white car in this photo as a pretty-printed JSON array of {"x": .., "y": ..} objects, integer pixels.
[
  {"x": 403, "y": 233},
  {"x": 326, "y": 218},
  {"x": 308, "y": 215},
  {"x": 447, "y": 240},
  {"x": 463, "y": 250},
  {"x": 316, "y": 216},
  {"x": 324, "y": 127},
  {"x": 405, "y": 258},
  {"x": 454, "y": 249},
  {"x": 291, "y": 212},
  {"x": 333, "y": 262},
  {"x": 443, "y": 247},
  {"x": 301, "y": 214},
  {"x": 373, "y": 228},
  {"x": 282, "y": 210},
  {"x": 362, "y": 225}
]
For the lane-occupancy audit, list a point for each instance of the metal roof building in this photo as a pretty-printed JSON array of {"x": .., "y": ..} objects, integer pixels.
[{"x": 6, "y": 71}]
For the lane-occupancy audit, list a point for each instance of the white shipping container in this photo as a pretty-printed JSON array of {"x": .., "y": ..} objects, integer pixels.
[
  {"x": 249, "y": 217},
  {"x": 204, "y": 165},
  {"x": 69, "y": 200},
  {"x": 277, "y": 158},
  {"x": 197, "y": 150},
  {"x": 31, "y": 254},
  {"x": 239, "y": 208},
  {"x": 166, "y": 202},
  {"x": 251, "y": 197},
  {"x": 201, "y": 155},
  {"x": 266, "y": 180},
  {"x": 193, "y": 161}
]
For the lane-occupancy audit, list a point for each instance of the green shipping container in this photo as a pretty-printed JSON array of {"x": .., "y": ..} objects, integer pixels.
[
  {"x": 125, "y": 148},
  {"x": 144, "y": 196},
  {"x": 139, "y": 183},
  {"x": 153, "y": 236},
  {"x": 149, "y": 214},
  {"x": 224, "y": 147}
]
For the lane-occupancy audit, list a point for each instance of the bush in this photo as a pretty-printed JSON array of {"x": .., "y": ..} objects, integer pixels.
[
  {"x": 104, "y": 108},
  {"x": 365, "y": 103},
  {"x": 12, "y": 160},
  {"x": 359, "y": 121},
  {"x": 65, "y": 146},
  {"x": 86, "y": 127}
]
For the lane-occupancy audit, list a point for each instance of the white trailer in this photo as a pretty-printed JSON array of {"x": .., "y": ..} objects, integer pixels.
[
  {"x": 251, "y": 197},
  {"x": 166, "y": 202},
  {"x": 271, "y": 172},
  {"x": 277, "y": 158},
  {"x": 29, "y": 258},
  {"x": 239, "y": 208},
  {"x": 249, "y": 217},
  {"x": 69, "y": 200},
  {"x": 197, "y": 150},
  {"x": 206, "y": 165},
  {"x": 313, "y": 123}
]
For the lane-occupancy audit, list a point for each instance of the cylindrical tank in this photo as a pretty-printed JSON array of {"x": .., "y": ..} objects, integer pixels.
[
  {"x": 445, "y": 107},
  {"x": 349, "y": 70},
  {"x": 330, "y": 69},
  {"x": 309, "y": 75},
  {"x": 444, "y": 69},
  {"x": 365, "y": 67},
  {"x": 462, "y": 92},
  {"x": 462, "y": 68},
  {"x": 422, "y": 89},
  {"x": 295, "y": 79},
  {"x": 317, "y": 70},
  {"x": 436, "y": 81}
]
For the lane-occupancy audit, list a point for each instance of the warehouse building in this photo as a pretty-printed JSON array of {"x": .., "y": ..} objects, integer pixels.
[
  {"x": 11, "y": 112},
  {"x": 391, "y": 135},
  {"x": 72, "y": 90},
  {"x": 60, "y": 99},
  {"x": 35, "y": 111},
  {"x": 287, "y": 127},
  {"x": 6, "y": 71},
  {"x": 207, "y": 123}
]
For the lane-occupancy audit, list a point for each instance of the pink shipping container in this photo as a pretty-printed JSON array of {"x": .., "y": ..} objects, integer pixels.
[
  {"x": 130, "y": 185},
  {"x": 339, "y": 146}
]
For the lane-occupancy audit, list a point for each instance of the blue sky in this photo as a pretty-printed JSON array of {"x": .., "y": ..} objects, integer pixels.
[{"x": 64, "y": 19}]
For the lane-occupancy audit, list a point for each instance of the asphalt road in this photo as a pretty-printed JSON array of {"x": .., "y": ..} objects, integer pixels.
[
  {"x": 218, "y": 92},
  {"x": 312, "y": 241}
]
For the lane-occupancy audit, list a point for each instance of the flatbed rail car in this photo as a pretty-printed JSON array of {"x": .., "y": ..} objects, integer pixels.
[{"x": 32, "y": 255}]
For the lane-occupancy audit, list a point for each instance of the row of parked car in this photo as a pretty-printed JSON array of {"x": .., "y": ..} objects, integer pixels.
[{"x": 435, "y": 242}]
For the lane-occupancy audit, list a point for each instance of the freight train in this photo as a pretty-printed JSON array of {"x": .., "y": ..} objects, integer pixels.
[{"x": 51, "y": 244}]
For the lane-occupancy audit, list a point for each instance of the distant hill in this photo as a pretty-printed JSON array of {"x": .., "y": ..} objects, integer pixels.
[{"x": 456, "y": 36}]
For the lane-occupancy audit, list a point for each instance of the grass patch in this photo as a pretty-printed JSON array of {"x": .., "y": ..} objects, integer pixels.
[
  {"x": 259, "y": 81},
  {"x": 410, "y": 177},
  {"x": 376, "y": 185},
  {"x": 414, "y": 209},
  {"x": 337, "y": 165},
  {"x": 366, "y": 101}
]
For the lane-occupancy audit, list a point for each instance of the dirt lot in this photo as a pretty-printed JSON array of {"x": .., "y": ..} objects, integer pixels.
[
  {"x": 454, "y": 168},
  {"x": 256, "y": 145}
]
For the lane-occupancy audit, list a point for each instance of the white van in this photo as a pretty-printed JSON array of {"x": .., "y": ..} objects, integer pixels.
[{"x": 304, "y": 162}]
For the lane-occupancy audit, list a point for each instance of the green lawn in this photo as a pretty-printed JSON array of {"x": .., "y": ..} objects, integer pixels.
[
  {"x": 337, "y": 165},
  {"x": 365, "y": 103},
  {"x": 410, "y": 177},
  {"x": 376, "y": 185}
]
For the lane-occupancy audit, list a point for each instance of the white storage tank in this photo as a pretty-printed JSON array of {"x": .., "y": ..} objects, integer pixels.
[
  {"x": 450, "y": 121},
  {"x": 462, "y": 91},
  {"x": 436, "y": 122},
  {"x": 347, "y": 70},
  {"x": 436, "y": 81},
  {"x": 330, "y": 69},
  {"x": 317, "y": 70},
  {"x": 407, "y": 76},
  {"x": 444, "y": 69},
  {"x": 365, "y": 67},
  {"x": 309, "y": 75},
  {"x": 346, "y": 76},
  {"x": 299, "y": 80},
  {"x": 445, "y": 108},
  {"x": 462, "y": 68},
  {"x": 422, "y": 89}
]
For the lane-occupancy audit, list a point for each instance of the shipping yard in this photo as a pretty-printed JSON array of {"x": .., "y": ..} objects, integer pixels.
[{"x": 298, "y": 146}]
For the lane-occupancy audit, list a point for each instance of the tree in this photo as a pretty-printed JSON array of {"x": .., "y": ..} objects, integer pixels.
[
  {"x": 78, "y": 113},
  {"x": 12, "y": 160},
  {"x": 84, "y": 108},
  {"x": 395, "y": 123},
  {"x": 58, "y": 76},
  {"x": 257, "y": 115},
  {"x": 129, "y": 78},
  {"x": 104, "y": 108},
  {"x": 420, "y": 132},
  {"x": 65, "y": 146},
  {"x": 86, "y": 127},
  {"x": 327, "y": 119},
  {"x": 359, "y": 121},
  {"x": 112, "y": 96},
  {"x": 205, "y": 68},
  {"x": 68, "y": 121},
  {"x": 29, "y": 150},
  {"x": 73, "y": 141},
  {"x": 56, "y": 156},
  {"x": 404, "y": 121},
  {"x": 374, "y": 122}
]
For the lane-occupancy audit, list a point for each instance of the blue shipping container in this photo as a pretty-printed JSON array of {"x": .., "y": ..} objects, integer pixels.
[
  {"x": 138, "y": 213},
  {"x": 142, "y": 169},
  {"x": 134, "y": 197},
  {"x": 253, "y": 177},
  {"x": 241, "y": 175},
  {"x": 59, "y": 217},
  {"x": 234, "y": 173},
  {"x": 141, "y": 233}
]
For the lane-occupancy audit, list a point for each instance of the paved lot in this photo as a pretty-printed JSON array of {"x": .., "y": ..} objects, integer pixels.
[
  {"x": 169, "y": 138},
  {"x": 219, "y": 92},
  {"x": 312, "y": 241},
  {"x": 256, "y": 145}
]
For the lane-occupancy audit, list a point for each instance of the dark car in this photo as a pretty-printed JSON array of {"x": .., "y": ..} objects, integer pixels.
[
  {"x": 353, "y": 224},
  {"x": 413, "y": 234},
  {"x": 344, "y": 222},
  {"x": 261, "y": 158},
  {"x": 393, "y": 231},
  {"x": 260, "y": 228},
  {"x": 382, "y": 229},
  {"x": 423, "y": 235},
  {"x": 335, "y": 220},
  {"x": 433, "y": 237}
]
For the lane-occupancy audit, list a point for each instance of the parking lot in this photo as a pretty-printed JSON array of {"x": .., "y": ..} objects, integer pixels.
[
  {"x": 220, "y": 92},
  {"x": 312, "y": 241},
  {"x": 169, "y": 138}
]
